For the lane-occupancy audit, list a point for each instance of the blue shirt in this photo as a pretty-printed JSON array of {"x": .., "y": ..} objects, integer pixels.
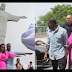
[
  {"x": 9, "y": 62},
  {"x": 55, "y": 41}
]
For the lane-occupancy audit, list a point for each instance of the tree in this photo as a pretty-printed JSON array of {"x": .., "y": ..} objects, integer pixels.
[{"x": 59, "y": 12}]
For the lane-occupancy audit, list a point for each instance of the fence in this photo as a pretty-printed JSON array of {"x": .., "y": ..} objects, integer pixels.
[{"x": 40, "y": 29}]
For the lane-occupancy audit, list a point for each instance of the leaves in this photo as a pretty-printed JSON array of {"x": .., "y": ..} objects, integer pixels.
[{"x": 59, "y": 12}]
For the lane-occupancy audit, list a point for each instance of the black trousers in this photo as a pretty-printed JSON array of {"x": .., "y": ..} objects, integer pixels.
[{"x": 60, "y": 62}]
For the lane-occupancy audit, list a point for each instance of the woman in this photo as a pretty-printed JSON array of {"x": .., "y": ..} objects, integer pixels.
[
  {"x": 18, "y": 64},
  {"x": 4, "y": 56}
]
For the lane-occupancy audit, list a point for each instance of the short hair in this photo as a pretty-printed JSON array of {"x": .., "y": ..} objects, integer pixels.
[
  {"x": 69, "y": 15},
  {"x": 8, "y": 44},
  {"x": 52, "y": 20}
]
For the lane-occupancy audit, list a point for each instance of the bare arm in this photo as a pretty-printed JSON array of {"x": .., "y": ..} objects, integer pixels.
[
  {"x": 45, "y": 56},
  {"x": 18, "y": 55},
  {"x": 65, "y": 37},
  {"x": 29, "y": 53},
  {"x": 66, "y": 50},
  {"x": 15, "y": 65},
  {"x": 28, "y": 67},
  {"x": 47, "y": 46}
]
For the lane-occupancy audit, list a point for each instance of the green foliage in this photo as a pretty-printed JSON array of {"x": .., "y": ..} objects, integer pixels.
[{"x": 59, "y": 12}]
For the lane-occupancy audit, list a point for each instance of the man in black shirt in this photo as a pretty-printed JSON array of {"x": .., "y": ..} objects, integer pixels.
[{"x": 68, "y": 26}]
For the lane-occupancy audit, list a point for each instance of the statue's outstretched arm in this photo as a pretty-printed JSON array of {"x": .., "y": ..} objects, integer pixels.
[
  {"x": 11, "y": 17},
  {"x": 23, "y": 17}
]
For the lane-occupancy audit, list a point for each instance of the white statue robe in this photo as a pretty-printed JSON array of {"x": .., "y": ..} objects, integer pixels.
[{"x": 4, "y": 17}]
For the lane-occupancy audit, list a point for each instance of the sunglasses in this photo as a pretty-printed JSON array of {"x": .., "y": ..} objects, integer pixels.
[{"x": 3, "y": 47}]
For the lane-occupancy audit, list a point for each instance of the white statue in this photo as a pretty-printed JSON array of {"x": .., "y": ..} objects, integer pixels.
[{"x": 4, "y": 17}]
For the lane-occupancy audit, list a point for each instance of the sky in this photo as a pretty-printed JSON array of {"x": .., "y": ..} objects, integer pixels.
[
  {"x": 43, "y": 8},
  {"x": 15, "y": 29}
]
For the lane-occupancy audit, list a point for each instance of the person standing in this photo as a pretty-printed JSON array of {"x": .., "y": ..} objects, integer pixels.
[
  {"x": 4, "y": 55},
  {"x": 18, "y": 64},
  {"x": 56, "y": 44},
  {"x": 68, "y": 26},
  {"x": 30, "y": 66},
  {"x": 9, "y": 62}
]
